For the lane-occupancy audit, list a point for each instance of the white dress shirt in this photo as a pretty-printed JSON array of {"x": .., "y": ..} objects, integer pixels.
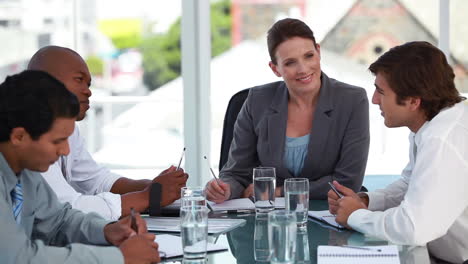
[
  {"x": 86, "y": 185},
  {"x": 429, "y": 204}
]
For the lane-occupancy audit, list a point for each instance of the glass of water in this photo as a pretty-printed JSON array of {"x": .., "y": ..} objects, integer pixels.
[
  {"x": 282, "y": 230},
  {"x": 296, "y": 192},
  {"x": 194, "y": 231},
  {"x": 302, "y": 247},
  {"x": 261, "y": 247},
  {"x": 264, "y": 179},
  {"x": 191, "y": 196}
]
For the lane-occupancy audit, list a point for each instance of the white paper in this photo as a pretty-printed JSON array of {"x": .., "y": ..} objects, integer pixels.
[
  {"x": 171, "y": 246},
  {"x": 280, "y": 203},
  {"x": 325, "y": 216},
  {"x": 172, "y": 224},
  {"x": 234, "y": 205},
  {"x": 344, "y": 255},
  {"x": 242, "y": 204}
]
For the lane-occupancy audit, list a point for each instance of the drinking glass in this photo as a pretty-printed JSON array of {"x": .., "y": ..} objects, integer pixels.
[
  {"x": 191, "y": 196},
  {"x": 282, "y": 230},
  {"x": 302, "y": 255},
  {"x": 261, "y": 247},
  {"x": 264, "y": 179},
  {"x": 296, "y": 191},
  {"x": 194, "y": 231}
]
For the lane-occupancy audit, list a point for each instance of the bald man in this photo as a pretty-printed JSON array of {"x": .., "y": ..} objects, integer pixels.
[{"x": 77, "y": 178}]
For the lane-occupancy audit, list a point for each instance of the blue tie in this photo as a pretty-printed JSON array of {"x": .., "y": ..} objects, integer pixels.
[{"x": 17, "y": 199}]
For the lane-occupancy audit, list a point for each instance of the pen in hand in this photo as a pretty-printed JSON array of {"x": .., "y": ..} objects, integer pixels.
[
  {"x": 212, "y": 172},
  {"x": 335, "y": 190},
  {"x": 181, "y": 157},
  {"x": 133, "y": 223}
]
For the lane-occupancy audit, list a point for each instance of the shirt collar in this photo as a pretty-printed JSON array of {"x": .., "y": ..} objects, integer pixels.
[{"x": 9, "y": 177}]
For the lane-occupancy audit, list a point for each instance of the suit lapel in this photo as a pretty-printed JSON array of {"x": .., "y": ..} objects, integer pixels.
[
  {"x": 277, "y": 124},
  {"x": 320, "y": 129}
]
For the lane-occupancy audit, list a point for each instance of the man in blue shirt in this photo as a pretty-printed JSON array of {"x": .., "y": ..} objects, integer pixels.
[{"x": 37, "y": 115}]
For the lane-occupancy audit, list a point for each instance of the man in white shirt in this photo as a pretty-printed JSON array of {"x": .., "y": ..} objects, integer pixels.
[
  {"x": 77, "y": 178},
  {"x": 428, "y": 205}
]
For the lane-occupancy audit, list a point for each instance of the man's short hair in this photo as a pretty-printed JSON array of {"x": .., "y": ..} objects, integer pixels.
[
  {"x": 418, "y": 69},
  {"x": 33, "y": 100}
]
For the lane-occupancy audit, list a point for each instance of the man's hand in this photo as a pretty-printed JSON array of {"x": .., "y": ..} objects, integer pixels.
[
  {"x": 172, "y": 180},
  {"x": 140, "y": 249},
  {"x": 345, "y": 206},
  {"x": 217, "y": 193},
  {"x": 118, "y": 232},
  {"x": 248, "y": 192},
  {"x": 278, "y": 191}
]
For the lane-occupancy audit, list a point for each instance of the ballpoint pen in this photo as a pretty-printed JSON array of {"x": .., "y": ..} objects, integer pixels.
[
  {"x": 212, "y": 172},
  {"x": 335, "y": 190},
  {"x": 181, "y": 157},
  {"x": 362, "y": 248},
  {"x": 133, "y": 224}
]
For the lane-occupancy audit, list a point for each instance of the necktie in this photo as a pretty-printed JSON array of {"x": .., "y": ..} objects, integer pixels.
[{"x": 17, "y": 199}]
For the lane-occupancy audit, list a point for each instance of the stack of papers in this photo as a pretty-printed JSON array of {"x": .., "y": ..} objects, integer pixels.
[
  {"x": 242, "y": 204},
  {"x": 361, "y": 255},
  {"x": 325, "y": 216},
  {"x": 172, "y": 224},
  {"x": 171, "y": 246}
]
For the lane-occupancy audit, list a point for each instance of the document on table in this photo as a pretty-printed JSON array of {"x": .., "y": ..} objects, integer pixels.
[
  {"x": 325, "y": 216},
  {"x": 361, "y": 255},
  {"x": 172, "y": 224},
  {"x": 242, "y": 204},
  {"x": 171, "y": 246}
]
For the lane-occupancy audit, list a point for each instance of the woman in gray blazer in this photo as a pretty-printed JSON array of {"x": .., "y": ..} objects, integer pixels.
[{"x": 308, "y": 125}]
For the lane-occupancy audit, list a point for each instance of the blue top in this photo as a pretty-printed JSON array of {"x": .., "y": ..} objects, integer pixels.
[{"x": 295, "y": 152}]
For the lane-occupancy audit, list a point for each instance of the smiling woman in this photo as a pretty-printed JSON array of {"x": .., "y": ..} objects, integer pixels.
[{"x": 308, "y": 125}]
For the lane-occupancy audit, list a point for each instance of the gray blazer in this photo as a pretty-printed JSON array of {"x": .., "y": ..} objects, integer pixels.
[{"x": 338, "y": 146}]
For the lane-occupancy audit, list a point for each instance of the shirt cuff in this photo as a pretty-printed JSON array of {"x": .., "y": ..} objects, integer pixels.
[
  {"x": 114, "y": 255},
  {"x": 115, "y": 205},
  {"x": 98, "y": 229},
  {"x": 355, "y": 220},
  {"x": 376, "y": 201}
]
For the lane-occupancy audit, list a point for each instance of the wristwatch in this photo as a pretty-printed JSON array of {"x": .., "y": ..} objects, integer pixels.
[{"x": 155, "y": 199}]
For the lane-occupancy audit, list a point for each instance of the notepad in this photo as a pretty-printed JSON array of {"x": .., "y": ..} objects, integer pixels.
[
  {"x": 242, "y": 204},
  {"x": 344, "y": 255},
  {"x": 172, "y": 224},
  {"x": 171, "y": 246},
  {"x": 325, "y": 216}
]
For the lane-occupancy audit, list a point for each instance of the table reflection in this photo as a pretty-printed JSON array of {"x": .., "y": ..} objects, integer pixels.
[{"x": 249, "y": 244}]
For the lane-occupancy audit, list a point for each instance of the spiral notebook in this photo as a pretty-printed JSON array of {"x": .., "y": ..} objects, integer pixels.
[{"x": 361, "y": 255}]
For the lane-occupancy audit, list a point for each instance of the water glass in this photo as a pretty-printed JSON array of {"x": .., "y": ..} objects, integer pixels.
[
  {"x": 296, "y": 192},
  {"x": 261, "y": 247},
  {"x": 302, "y": 255},
  {"x": 192, "y": 196},
  {"x": 264, "y": 179},
  {"x": 194, "y": 231},
  {"x": 282, "y": 230}
]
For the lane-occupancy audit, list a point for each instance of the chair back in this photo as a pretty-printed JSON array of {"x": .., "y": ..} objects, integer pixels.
[{"x": 233, "y": 109}]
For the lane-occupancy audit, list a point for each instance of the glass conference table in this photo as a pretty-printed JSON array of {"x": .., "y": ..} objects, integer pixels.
[{"x": 245, "y": 243}]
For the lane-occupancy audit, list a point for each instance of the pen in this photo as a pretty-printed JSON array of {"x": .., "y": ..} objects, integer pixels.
[
  {"x": 212, "y": 172},
  {"x": 362, "y": 248},
  {"x": 133, "y": 224},
  {"x": 335, "y": 190},
  {"x": 181, "y": 157}
]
